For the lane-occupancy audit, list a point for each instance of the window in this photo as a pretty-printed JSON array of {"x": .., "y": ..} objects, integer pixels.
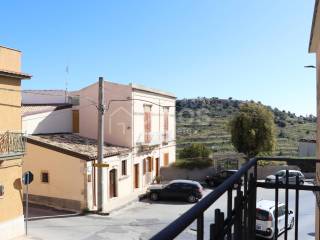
[
  {"x": 89, "y": 178},
  {"x": 166, "y": 159},
  {"x": 150, "y": 165},
  {"x": 165, "y": 123},
  {"x": 144, "y": 166},
  {"x": 281, "y": 211},
  {"x": 124, "y": 167},
  {"x": 262, "y": 215},
  {"x": 147, "y": 123},
  {"x": 1, "y": 191},
  {"x": 45, "y": 177},
  {"x": 75, "y": 121}
]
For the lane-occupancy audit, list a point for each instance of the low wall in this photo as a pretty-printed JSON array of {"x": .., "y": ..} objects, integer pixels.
[
  {"x": 265, "y": 171},
  {"x": 172, "y": 173}
]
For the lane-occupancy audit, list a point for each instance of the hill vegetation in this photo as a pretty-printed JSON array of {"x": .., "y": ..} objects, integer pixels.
[{"x": 206, "y": 120}]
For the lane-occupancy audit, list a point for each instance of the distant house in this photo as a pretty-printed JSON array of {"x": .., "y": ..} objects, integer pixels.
[
  {"x": 61, "y": 145},
  {"x": 307, "y": 148},
  {"x": 11, "y": 144}
]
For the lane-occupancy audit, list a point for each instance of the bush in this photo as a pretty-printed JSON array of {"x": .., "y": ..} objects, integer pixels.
[
  {"x": 193, "y": 163},
  {"x": 281, "y": 124},
  {"x": 194, "y": 156}
]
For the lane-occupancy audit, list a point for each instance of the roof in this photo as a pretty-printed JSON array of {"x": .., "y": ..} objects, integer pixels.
[
  {"x": 152, "y": 90},
  {"x": 1, "y": 46},
  {"x": 27, "y": 110},
  {"x": 267, "y": 204},
  {"x": 183, "y": 181},
  {"x": 12, "y": 74},
  {"x": 75, "y": 145},
  {"x": 315, "y": 34}
]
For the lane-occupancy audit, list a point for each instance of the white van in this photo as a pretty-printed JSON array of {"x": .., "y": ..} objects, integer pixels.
[{"x": 265, "y": 219}]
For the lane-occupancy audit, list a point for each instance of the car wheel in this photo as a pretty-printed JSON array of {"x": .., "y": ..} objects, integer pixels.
[
  {"x": 301, "y": 182},
  {"x": 192, "y": 199},
  {"x": 154, "y": 196}
]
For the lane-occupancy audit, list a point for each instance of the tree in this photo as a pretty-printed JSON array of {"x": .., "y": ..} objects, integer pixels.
[{"x": 253, "y": 130}]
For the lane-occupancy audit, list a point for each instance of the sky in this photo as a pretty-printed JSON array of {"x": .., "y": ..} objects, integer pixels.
[{"x": 247, "y": 50}]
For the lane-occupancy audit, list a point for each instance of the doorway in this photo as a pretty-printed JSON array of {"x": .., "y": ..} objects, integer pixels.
[
  {"x": 113, "y": 183},
  {"x": 136, "y": 176},
  {"x": 157, "y": 167}
]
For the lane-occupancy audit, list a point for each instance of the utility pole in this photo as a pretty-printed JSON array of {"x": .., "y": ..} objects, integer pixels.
[{"x": 101, "y": 111}]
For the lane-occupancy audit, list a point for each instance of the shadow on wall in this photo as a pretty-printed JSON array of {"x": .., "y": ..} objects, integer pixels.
[{"x": 53, "y": 122}]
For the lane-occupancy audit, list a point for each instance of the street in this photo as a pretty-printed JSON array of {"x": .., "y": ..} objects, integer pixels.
[{"x": 141, "y": 220}]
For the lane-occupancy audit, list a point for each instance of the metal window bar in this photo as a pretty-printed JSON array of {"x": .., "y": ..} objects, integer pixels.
[
  {"x": 12, "y": 143},
  {"x": 235, "y": 222}
]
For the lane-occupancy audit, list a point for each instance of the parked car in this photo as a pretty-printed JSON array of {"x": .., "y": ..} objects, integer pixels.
[
  {"x": 282, "y": 177},
  {"x": 185, "y": 190},
  {"x": 217, "y": 179},
  {"x": 265, "y": 219}
]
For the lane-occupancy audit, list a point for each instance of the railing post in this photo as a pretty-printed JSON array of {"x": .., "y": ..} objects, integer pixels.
[
  {"x": 229, "y": 211},
  {"x": 200, "y": 227},
  {"x": 216, "y": 229},
  {"x": 252, "y": 208},
  {"x": 238, "y": 216},
  {"x": 286, "y": 200},
  {"x": 297, "y": 210},
  {"x": 245, "y": 206},
  {"x": 276, "y": 211}
]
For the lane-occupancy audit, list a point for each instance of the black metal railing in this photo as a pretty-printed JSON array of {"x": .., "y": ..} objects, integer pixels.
[
  {"x": 11, "y": 144},
  {"x": 240, "y": 221}
]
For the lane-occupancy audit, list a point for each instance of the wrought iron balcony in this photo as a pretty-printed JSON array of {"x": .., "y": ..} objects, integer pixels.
[
  {"x": 239, "y": 222},
  {"x": 11, "y": 144}
]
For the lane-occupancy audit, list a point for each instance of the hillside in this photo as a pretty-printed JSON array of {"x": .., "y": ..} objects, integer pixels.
[{"x": 205, "y": 120}]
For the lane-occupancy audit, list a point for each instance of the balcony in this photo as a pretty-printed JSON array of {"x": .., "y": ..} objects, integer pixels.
[
  {"x": 239, "y": 220},
  {"x": 12, "y": 144},
  {"x": 150, "y": 141}
]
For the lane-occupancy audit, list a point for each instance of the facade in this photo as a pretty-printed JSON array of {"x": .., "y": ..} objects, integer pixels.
[
  {"x": 314, "y": 47},
  {"x": 11, "y": 144},
  {"x": 138, "y": 120},
  {"x": 65, "y": 174},
  {"x": 307, "y": 148}
]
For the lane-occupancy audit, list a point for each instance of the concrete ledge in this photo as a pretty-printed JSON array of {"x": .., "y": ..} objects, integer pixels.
[{"x": 57, "y": 203}]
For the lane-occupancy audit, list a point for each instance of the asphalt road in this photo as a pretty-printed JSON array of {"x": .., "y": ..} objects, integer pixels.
[{"x": 141, "y": 220}]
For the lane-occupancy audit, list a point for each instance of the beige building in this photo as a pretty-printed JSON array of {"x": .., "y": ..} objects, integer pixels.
[
  {"x": 11, "y": 144},
  {"x": 139, "y": 122},
  {"x": 65, "y": 173},
  {"x": 314, "y": 47}
]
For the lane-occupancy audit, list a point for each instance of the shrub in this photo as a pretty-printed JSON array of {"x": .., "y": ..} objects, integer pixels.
[{"x": 194, "y": 156}]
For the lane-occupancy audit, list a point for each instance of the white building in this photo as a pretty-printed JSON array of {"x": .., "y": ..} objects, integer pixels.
[
  {"x": 307, "y": 148},
  {"x": 139, "y": 120}
]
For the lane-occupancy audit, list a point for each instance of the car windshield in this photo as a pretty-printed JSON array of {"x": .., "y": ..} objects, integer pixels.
[
  {"x": 281, "y": 173},
  {"x": 262, "y": 215}
]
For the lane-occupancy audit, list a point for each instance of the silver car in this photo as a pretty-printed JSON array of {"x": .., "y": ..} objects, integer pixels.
[{"x": 282, "y": 177}]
